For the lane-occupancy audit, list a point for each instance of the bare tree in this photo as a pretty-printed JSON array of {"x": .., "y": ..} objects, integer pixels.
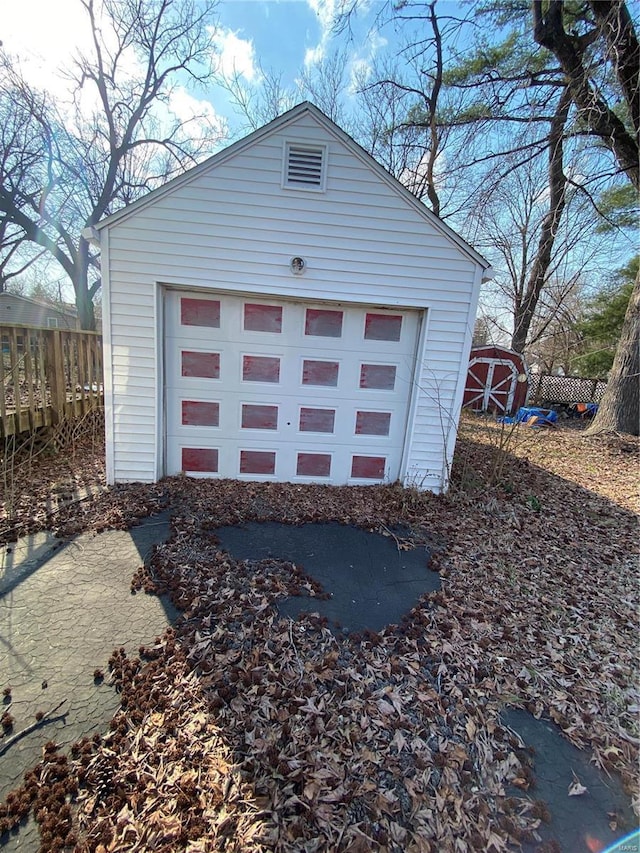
[
  {"x": 539, "y": 239},
  {"x": 381, "y": 110},
  {"x": 15, "y": 135},
  {"x": 554, "y": 339},
  {"x": 118, "y": 136},
  {"x": 456, "y": 132},
  {"x": 14, "y": 260},
  {"x": 25, "y": 156},
  {"x": 261, "y": 102},
  {"x": 403, "y": 103},
  {"x": 538, "y": 272},
  {"x": 257, "y": 103},
  {"x": 325, "y": 83},
  {"x": 420, "y": 126}
]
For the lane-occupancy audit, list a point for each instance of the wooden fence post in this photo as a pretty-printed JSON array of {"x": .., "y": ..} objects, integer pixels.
[
  {"x": 14, "y": 358},
  {"x": 56, "y": 373}
]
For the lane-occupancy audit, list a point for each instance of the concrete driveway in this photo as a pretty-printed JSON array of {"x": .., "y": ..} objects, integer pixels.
[{"x": 64, "y": 606}]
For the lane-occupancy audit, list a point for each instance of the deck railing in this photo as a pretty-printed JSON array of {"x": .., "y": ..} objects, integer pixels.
[{"x": 47, "y": 375}]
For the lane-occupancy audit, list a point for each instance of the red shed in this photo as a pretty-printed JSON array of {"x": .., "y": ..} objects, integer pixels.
[{"x": 497, "y": 380}]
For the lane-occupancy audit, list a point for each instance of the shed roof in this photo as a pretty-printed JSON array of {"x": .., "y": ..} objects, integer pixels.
[
  {"x": 285, "y": 120},
  {"x": 495, "y": 351}
]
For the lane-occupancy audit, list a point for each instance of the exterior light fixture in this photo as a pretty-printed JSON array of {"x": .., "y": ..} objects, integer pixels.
[{"x": 297, "y": 265}]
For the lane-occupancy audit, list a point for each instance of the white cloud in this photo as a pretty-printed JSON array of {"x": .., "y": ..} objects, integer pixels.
[
  {"x": 325, "y": 11},
  {"x": 359, "y": 74},
  {"x": 362, "y": 62},
  {"x": 39, "y": 34},
  {"x": 313, "y": 55},
  {"x": 40, "y": 28},
  {"x": 415, "y": 176},
  {"x": 236, "y": 55},
  {"x": 202, "y": 119}
]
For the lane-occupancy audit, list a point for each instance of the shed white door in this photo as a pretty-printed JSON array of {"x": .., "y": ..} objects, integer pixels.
[
  {"x": 267, "y": 389},
  {"x": 491, "y": 385}
]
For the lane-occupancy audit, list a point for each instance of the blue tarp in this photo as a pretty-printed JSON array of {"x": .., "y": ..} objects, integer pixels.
[
  {"x": 532, "y": 415},
  {"x": 584, "y": 410}
]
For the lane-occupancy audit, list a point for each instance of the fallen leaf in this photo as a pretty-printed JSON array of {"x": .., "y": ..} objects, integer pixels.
[{"x": 576, "y": 788}]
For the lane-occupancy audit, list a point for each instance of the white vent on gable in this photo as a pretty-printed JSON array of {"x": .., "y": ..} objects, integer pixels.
[{"x": 305, "y": 166}]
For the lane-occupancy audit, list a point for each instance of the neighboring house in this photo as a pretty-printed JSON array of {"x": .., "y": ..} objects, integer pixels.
[
  {"x": 23, "y": 311},
  {"x": 285, "y": 311}
]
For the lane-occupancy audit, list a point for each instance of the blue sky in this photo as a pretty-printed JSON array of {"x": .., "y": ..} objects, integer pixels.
[
  {"x": 280, "y": 32},
  {"x": 285, "y": 36},
  {"x": 281, "y": 36}
]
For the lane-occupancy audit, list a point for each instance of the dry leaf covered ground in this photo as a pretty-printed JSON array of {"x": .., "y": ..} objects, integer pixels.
[{"x": 242, "y": 731}]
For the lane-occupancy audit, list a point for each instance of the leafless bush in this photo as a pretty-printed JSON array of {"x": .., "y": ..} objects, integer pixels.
[
  {"x": 20, "y": 454},
  {"x": 503, "y": 439}
]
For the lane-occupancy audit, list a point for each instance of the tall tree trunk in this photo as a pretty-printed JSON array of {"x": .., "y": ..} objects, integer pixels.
[
  {"x": 434, "y": 132},
  {"x": 84, "y": 302},
  {"x": 616, "y": 25},
  {"x": 525, "y": 311},
  {"x": 620, "y": 407},
  {"x": 86, "y": 314},
  {"x": 549, "y": 32}
]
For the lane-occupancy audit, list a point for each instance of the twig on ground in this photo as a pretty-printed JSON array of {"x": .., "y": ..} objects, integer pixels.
[
  {"x": 393, "y": 535},
  {"x": 28, "y": 729},
  {"x": 293, "y": 645}
]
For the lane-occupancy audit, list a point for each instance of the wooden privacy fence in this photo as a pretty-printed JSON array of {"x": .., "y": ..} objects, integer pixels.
[
  {"x": 47, "y": 375},
  {"x": 547, "y": 389}
]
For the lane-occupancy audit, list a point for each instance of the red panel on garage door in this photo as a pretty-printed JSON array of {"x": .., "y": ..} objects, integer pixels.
[
  {"x": 368, "y": 467},
  {"x": 373, "y": 423},
  {"x": 317, "y": 420},
  {"x": 258, "y": 368},
  {"x": 326, "y": 324},
  {"x": 259, "y": 417},
  {"x": 200, "y": 312},
  {"x": 320, "y": 373},
  {"x": 382, "y": 327},
  {"x": 204, "y": 365},
  {"x": 314, "y": 465},
  {"x": 262, "y": 318},
  {"x": 197, "y": 413},
  {"x": 199, "y": 459},
  {"x": 257, "y": 462},
  {"x": 379, "y": 376}
]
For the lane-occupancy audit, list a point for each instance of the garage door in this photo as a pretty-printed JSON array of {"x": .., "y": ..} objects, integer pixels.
[{"x": 275, "y": 390}]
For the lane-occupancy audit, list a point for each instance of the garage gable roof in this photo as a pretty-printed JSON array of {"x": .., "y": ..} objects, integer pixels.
[{"x": 286, "y": 120}]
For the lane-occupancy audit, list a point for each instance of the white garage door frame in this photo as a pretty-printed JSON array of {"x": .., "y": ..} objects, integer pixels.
[{"x": 166, "y": 363}]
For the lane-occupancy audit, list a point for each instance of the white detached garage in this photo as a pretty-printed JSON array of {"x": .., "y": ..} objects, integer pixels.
[{"x": 285, "y": 311}]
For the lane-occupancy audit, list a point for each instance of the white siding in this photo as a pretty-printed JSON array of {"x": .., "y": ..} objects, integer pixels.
[{"x": 234, "y": 228}]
